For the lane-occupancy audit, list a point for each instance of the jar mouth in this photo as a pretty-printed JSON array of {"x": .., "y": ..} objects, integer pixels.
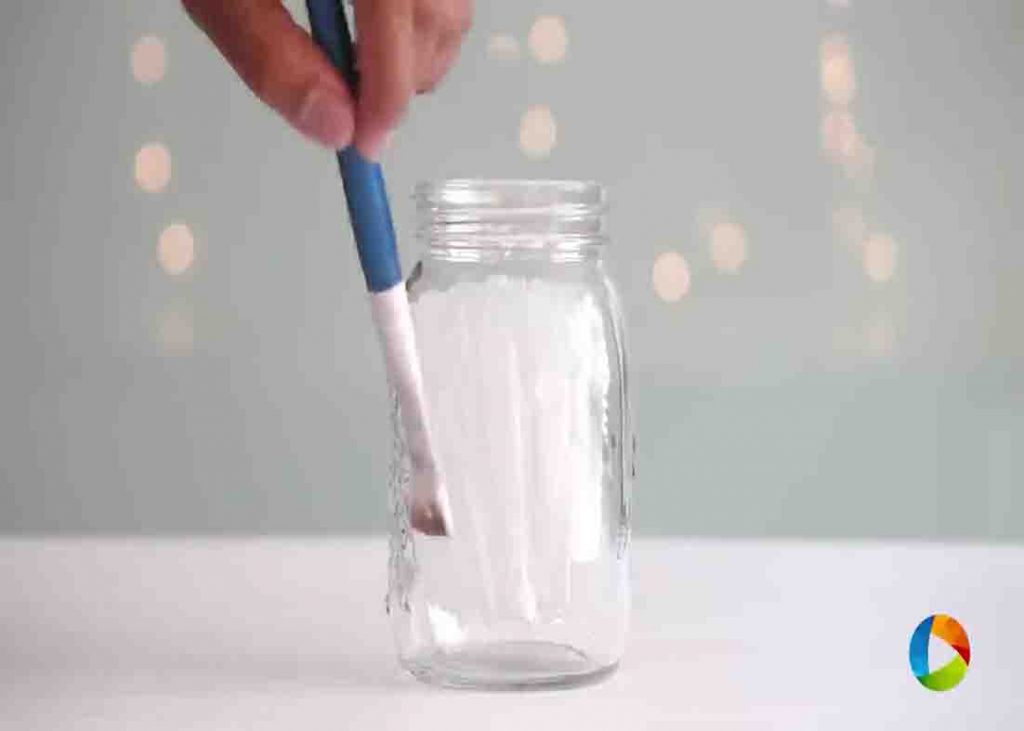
[
  {"x": 481, "y": 196},
  {"x": 511, "y": 214}
]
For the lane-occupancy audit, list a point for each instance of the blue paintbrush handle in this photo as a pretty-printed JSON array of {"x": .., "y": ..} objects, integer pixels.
[{"x": 368, "y": 208}]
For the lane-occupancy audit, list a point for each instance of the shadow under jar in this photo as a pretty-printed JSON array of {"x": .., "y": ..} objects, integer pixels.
[{"x": 524, "y": 370}]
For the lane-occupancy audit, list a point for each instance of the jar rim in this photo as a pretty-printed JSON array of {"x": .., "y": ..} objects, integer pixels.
[
  {"x": 511, "y": 196},
  {"x": 564, "y": 218}
]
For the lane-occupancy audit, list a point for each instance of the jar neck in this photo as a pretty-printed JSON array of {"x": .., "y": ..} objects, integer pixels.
[{"x": 488, "y": 220}]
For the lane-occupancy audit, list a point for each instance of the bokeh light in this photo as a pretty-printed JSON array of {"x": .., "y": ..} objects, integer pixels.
[
  {"x": 503, "y": 47},
  {"x": 153, "y": 167},
  {"x": 149, "y": 60},
  {"x": 728, "y": 246},
  {"x": 834, "y": 44},
  {"x": 838, "y": 81},
  {"x": 670, "y": 276},
  {"x": 548, "y": 39},
  {"x": 176, "y": 249},
  {"x": 879, "y": 257},
  {"x": 538, "y": 132},
  {"x": 839, "y": 138}
]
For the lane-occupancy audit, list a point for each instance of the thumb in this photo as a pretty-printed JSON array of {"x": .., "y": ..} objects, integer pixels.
[{"x": 279, "y": 61}]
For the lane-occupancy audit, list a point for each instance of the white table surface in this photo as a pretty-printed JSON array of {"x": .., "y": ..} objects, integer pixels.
[{"x": 291, "y": 634}]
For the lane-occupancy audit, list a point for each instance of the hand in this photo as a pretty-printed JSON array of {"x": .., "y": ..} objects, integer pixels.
[{"x": 402, "y": 46}]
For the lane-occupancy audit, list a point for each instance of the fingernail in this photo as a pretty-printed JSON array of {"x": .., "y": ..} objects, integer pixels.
[
  {"x": 373, "y": 146},
  {"x": 326, "y": 118}
]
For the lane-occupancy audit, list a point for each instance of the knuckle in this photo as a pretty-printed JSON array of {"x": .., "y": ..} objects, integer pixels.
[{"x": 285, "y": 93}]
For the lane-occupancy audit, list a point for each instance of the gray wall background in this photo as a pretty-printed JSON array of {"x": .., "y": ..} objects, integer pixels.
[{"x": 795, "y": 397}]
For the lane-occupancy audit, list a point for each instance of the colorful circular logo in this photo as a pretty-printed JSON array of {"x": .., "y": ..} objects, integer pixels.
[{"x": 949, "y": 630}]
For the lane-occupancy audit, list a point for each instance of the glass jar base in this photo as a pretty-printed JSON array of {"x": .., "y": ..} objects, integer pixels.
[{"x": 522, "y": 665}]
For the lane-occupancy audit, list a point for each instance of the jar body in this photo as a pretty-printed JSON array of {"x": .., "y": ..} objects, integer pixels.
[{"x": 523, "y": 366}]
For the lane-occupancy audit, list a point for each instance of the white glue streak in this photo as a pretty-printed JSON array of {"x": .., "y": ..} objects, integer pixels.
[{"x": 516, "y": 374}]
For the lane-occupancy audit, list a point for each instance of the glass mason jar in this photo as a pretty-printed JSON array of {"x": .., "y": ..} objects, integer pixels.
[{"x": 524, "y": 370}]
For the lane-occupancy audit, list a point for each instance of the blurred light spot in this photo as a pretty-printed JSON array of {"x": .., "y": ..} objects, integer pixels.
[
  {"x": 176, "y": 249},
  {"x": 839, "y": 138},
  {"x": 671, "y": 276},
  {"x": 503, "y": 47},
  {"x": 879, "y": 335},
  {"x": 838, "y": 80},
  {"x": 848, "y": 225},
  {"x": 879, "y": 257},
  {"x": 840, "y": 4},
  {"x": 149, "y": 60},
  {"x": 153, "y": 167},
  {"x": 834, "y": 45},
  {"x": 728, "y": 246},
  {"x": 538, "y": 132},
  {"x": 176, "y": 333},
  {"x": 548, "y": 39}
]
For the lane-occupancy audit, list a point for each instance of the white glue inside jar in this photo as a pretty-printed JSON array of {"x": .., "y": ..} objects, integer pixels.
[{"x": 521, "y": 345}]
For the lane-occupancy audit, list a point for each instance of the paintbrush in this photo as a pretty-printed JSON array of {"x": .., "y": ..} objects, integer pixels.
[{"x": 370, "y": 216}]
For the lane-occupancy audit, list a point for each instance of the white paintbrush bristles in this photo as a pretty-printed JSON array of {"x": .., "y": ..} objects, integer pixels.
[
  {"x": 429, "y": 511},
  {"x": 519, "y": 375}
]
